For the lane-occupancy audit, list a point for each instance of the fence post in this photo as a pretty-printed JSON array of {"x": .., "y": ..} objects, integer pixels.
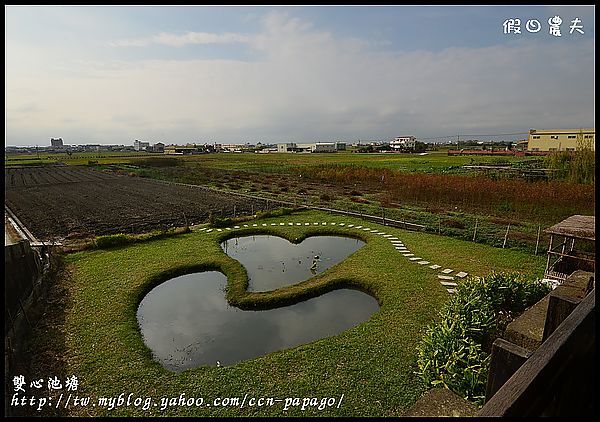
[
  {"x": 506, "y": 236},
  {"x": 475, "y": 231},
  {"x": 537, "y": 242},
  {"x": 234, "y": 210}
]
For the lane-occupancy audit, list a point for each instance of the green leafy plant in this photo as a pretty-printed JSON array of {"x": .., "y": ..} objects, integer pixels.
[{"x": 455, "y": 352}]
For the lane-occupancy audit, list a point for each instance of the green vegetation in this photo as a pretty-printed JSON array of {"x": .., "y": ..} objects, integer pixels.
[
  {"x": 91, "y": 329},
  {"x": 122, "y": 239},
  {"x": 575, "y": 167},
  {"x": 455, "y": 352}
]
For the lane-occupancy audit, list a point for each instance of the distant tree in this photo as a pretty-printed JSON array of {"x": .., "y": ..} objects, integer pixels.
[{"x": 420, "y": 146}]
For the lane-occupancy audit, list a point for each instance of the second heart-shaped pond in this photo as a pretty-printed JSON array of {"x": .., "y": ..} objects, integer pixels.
[{"x": 273, "y": 262}]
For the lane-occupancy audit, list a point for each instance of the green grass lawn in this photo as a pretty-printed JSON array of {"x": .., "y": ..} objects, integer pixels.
[{"x": 92, "y": 332}]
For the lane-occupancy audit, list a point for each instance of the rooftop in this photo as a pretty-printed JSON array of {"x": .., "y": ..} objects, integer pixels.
[{"x": 577, "y": 226}]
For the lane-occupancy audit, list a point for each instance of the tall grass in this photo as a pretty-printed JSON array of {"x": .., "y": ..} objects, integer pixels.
[{"x": 548, "y": 200}]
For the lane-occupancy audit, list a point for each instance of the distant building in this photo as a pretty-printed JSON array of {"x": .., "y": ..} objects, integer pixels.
[
  {"x": 311, "y": 147},
  {"x": 158, "y": 147},
  {"x": 140, "y": 146},
  {"x": 403, "y": 143},
  {"x": 56, "y": 143},
  {"x": 560, "y": 139}
]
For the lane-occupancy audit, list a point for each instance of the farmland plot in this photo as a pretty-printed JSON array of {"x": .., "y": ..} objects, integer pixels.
[{"x": 57, "y": 202}]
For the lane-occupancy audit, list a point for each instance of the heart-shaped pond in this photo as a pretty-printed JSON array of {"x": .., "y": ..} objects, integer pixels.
[
  {"x": 187, "y": 322},
  {"x": 273, "y": 262}
]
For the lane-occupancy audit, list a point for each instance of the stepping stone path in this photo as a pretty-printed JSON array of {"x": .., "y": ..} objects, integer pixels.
[
  {"x": 448, "y": 283},
  {"x": 423, "y": 262},
  {"x": 435, "y": 266},
  {"x": 408, "y": 254},
  {"x": 219, "y": 230},
  {"x": 451, "y": 291},
  {"x": 462, "y": 274},
  {"x": 445, "y": 277},
  {"x": 414, "y": 258},
  {"x": 447, "y": 271}
]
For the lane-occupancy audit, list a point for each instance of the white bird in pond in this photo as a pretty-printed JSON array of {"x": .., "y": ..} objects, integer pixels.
[{"x": 218, "y": 364}]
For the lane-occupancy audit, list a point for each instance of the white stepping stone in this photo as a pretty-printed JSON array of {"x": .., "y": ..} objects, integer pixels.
[
  {"x": 350, "y": 225},
  {"x": 324, "y": 224},
  {"x": 387, "y": 235},
  {"x": 298, "y": 224},
  {"x": 448, "y": 283},
  {"x": 290, "y": 224},
  {"x": 451, "y": 291},
  {"x": 423, "y": 262},
  {"x": 236, "y": 227},
  {"x": 408, "y": 254},
  {"x": 367, "y": 230},
  {"x": 264, "y": 224},
  {"x": 342, "y": 224},
  {"x": 273, "y": 224},
  {"x": 227, "y": 228},
  {"x": 435, "y": 266},
  {"x": 414, "y": 258},
  {"x": 219, "y": 230},
  {"x": 307, "y": 224},
  {"x": 395, "y": 241},
  {"x": 202, "y": 229},
  {"x": 245, "y": 225},
  {"x": 393, "y": 238},
  {"x": 315, "y": 224},
  {"x": 358, "y": 227},
  {"x": 462, "y": 274},
  {"x": 255, "y": 225},
  {"x": 333, "y": 224},
  {"x": 447, "y": 271},
  {"x": 445, "y": 277},
  {"x": 208, "y": 231},
  {"x": 282, "y": 224}
]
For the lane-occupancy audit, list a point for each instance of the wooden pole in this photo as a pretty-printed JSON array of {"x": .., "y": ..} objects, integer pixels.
[
  {"x": 506, "y": 236},
  {"x": 475, "y": 231},
  {"x": 537, "y": 242}
]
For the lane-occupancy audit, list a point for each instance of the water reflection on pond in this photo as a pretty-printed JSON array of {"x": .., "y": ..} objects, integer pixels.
[
  {"x": 273, "y": 262},
  {"x": 186, "y": 322}
]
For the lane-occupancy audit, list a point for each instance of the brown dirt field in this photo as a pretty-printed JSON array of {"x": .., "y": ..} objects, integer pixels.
[{"x": 54, "y": 202}]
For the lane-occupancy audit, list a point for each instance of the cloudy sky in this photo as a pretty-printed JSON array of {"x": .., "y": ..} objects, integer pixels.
[{"x": 113, "y": 74}]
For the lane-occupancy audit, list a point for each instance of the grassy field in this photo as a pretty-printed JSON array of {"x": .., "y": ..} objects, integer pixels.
[
  {"x": 434, "y": 161},
  {"x": 91, "y": 329}
]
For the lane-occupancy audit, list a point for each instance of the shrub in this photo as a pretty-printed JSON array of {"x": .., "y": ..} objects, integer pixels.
[
  {"x": 219, "y": 222},
  {"x": 275, "y": 213},
  {"x": 455, "y": 224},
  {"x": 455, "y": 352},
  {"x": 112, "y": 240}
]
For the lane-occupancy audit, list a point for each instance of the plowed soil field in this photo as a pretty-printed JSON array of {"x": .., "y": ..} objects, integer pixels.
[{"x": 60, "y": 202}]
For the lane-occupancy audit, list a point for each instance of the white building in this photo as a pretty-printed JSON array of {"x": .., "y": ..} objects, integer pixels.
[
  {"x": 403, "y": 143},
  {"x": 140, "y": 146}
]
